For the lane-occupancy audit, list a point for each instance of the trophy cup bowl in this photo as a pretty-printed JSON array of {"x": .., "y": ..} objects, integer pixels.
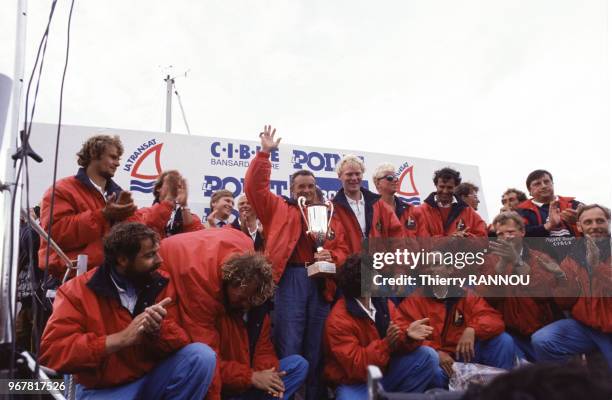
[{"x": 318, "y": 222}]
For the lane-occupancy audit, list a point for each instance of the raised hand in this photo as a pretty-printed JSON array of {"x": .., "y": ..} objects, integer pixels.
[{"x": 268, "y": 143}]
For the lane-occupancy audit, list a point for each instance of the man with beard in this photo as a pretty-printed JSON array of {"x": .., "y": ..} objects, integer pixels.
[
  {"x": 88, "y": 204},
  {"x": 301, "y": 303},
  {"x": 588, "y": 294},
  {"x": 115, "y": 327}
]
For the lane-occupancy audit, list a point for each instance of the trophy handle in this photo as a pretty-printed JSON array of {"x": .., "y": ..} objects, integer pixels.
[
  {"x": 329, "y": 205},
  {"x": 301, "y": 204}
]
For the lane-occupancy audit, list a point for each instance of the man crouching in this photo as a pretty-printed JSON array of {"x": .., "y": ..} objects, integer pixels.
[{"x": 115, "y": 327}]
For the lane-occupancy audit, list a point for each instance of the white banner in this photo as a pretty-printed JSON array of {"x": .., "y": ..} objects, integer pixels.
[{"x": 212, "y": 163}]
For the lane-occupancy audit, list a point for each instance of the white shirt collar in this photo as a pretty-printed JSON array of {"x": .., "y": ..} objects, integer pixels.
[
  {"x": 370, "y": 310},
  {"x": 541, "y": 204},
  {"x": 445, "y": 206}
]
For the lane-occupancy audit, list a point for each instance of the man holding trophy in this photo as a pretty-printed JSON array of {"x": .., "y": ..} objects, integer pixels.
[{"x": 304, "y": 245}]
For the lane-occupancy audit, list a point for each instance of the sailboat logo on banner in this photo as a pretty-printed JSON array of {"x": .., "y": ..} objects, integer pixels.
[
  {"x": 145, "y": 166},
  {"x": 405, "y": 186}
]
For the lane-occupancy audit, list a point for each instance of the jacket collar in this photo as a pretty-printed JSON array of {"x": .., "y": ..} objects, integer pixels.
[
  {"x": 369, "y": 199},
  {"x": 400, "y": 206},
  {"x": 102, "y": 285},
  {"x": 111, "y": 185},
  {"x": 382, "y": 312},
  {"x": 456, "y": 208}
]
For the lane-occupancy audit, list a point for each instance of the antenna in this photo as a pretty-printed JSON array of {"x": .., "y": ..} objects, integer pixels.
[{"x": 171, "y": 87}]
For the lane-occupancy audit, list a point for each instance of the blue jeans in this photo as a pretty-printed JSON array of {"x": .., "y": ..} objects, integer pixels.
[
  {"x": 299, "y": 316},
  {"x": 524, "y": 348},
  {"x": 186, "y": 374},
  {"x": 407, "y": 373},
  {"x": 568, "y": 337},
  {"x": 296, "y": 368},
  {"x": 499, "y": 352}
]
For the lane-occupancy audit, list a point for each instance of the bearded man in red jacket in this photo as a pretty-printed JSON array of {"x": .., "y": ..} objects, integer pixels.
[{"x": 116, "y": 327}]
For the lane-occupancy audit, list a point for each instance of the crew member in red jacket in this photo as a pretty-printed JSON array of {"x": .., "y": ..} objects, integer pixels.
[
  {"x": 589, "y": 283},
  {"x": 361, "y": 212},
  {"x": 217, "y": 271},
  {"x": 442, "y": 214},
  {"x": 249, "y": 366},
  {"x": 549, "y": 216},
  {"x": 115, "y": 327},
  {"x": 386, "y": 181},
  {"x": 171, "y": 186},
  {"x": 525, "y": 309},
  {"x": 465, "y": 327},
  {"x": 301, "y": 303},
  {"x": 362, "y": 331},
  {"x": 88, "y": 204}
]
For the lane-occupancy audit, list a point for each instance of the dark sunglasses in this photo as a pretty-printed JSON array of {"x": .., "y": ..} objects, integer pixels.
[{"x": 389, "y": 178}]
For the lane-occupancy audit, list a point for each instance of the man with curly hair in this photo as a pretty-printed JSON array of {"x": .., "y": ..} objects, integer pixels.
[
  {"x": 88, "y": 204},
  {"x": 222, "y": 281}
]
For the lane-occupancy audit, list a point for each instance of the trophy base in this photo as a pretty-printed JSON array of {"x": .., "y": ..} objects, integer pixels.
[{"x": 321, "y": 268}]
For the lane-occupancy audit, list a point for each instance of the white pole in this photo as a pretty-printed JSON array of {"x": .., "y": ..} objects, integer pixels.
[
  {"x": 8, "y": 146},
  {"x": 169, "y": 84}
]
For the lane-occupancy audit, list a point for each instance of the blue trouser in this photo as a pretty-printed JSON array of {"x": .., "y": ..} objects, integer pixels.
[
  {"x": 299, "y": 316},
  {"x": 498, "y": 352},
  {"x": 524, "y": 348},
  {"x": 567, "y": 337},
  {"x": 296, "y": 368},
  {"x": 407, "y": 373},
  {"x": 186, "y": 374}
]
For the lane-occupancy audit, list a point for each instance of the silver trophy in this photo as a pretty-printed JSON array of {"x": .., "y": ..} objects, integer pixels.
[{"x": 318, "y": 222}]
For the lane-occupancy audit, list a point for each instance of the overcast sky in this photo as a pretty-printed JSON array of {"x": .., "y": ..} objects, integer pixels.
[{"x": 509, "y": 86}]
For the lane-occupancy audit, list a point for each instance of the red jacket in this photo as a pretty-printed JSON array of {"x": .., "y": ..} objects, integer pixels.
[
  {"x": 157, "y": 217},
  {"x": 194, "y": 262},
  {"x": 534, "y": 223},
  {"x": 283, "y": 222},
  {"x": 524, "y": 309},
  {"x": 430, "y": 223},
  {"x": 381, "y": 221},
  {"x": 86, "y": 310},
  {"x": 352, "y": 341},
  {"x": 78, "y": 223},
  {"x": 591, "y": 296},
  {"x": 406, "y": 213},
  {"x": 245, "y": 348},
  {"x": 450, "y": 317}
]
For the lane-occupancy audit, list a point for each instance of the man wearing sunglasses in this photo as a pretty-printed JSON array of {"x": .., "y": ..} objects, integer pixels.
[{"x": 386, "y": 183}]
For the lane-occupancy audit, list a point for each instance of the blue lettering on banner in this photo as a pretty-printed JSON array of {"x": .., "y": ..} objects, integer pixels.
[
  {"x": 237, "y": 151},
  {"x": 315, "y": 161},
  {"x": 236, "y": 185}
]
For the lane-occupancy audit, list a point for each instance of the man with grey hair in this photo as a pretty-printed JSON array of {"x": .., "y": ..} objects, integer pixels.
[
  {"x": 386, "y": 182},
  {"x": 587, "y": 294},
  {"x": 361, "y": 212}
]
